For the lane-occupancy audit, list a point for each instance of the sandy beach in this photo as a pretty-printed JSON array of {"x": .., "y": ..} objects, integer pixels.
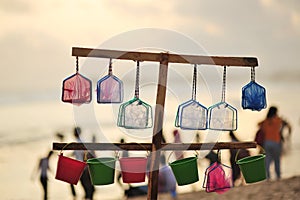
[{"x": 288, "y": 188}]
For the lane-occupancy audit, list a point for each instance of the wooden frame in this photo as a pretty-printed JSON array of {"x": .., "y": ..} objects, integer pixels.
[{"x": 156, "y": 146}]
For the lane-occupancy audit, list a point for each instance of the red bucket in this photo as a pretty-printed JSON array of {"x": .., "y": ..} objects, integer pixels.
[
  {"x": 69, "y": 170},
  {"x": 133, "y": 169}
]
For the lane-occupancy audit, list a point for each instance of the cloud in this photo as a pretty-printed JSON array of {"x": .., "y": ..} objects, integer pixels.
[
  {"x": 14, "y": 6},
  {"x": 32, "y": 61},
  {"x": 37, "y": 36}
]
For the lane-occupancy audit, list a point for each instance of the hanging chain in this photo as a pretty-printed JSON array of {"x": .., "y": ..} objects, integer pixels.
[
  {"x": 137, "y": 79},
  {"x": 194, "y": 90},
  {"x": 224, "y": 85},
  {"x": 77, "y": 64},
  {"x": 110, "y": 67},
  {"x": 252, "y": 73}
]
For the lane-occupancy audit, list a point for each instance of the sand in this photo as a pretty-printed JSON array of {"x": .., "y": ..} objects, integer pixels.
[{"x": 288, "y": 188}]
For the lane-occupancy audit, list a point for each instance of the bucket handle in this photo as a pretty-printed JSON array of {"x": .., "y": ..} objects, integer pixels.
[
  {"x": 85, "y": 151},
  {"x": 117, "y": 153},
  {"x": 196, "y": 154},
  {"x": 61, "y": 153},
  {"x": 236, "y": 155}
]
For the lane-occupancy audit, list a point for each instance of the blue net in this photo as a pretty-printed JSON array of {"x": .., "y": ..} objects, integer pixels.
[
  {"x": 254, "y": 96},
  {"x": 191, "y": 115}
]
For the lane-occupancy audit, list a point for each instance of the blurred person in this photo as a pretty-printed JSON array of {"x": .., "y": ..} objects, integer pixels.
[
  {"x": 177, "y": 139},
  {"x": 81, "y": 155},
  {"x": 43, "y": 168},
  {"x": 285, "y": 134},
  {"x": 272, "y": 130},
  {"x": 166, "y": 179},
  {"x": 61, "y": 137}
]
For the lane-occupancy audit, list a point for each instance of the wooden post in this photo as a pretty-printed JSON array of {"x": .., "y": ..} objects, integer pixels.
[{"x": 158, "y": 127}]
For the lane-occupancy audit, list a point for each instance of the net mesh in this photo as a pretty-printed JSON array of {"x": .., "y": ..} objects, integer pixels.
[
  {"x": 77, "y": 89},
  {"x": 218, "y": 178},
  {"x": 135, "y": 114},
  {"x": 254, "y": 96},
  {"x": 223, "y": 117},
  {"x": 109, "y": 90},
  {"x": 191, "y": 115}
]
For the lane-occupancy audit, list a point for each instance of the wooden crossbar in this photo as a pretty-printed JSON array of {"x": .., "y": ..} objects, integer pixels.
[
  {"x": 148, "y": 146},
  {"x": 172, "y": 58}
]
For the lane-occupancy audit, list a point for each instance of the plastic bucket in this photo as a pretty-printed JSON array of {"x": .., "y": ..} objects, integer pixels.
[
  {"x": 185, "y": 170},
  {"x": 253, "y": 168},
  {"x": 133, "y": 169},
  {"x": 102, "y": 170},
  {"x": 69, "y": 170}
]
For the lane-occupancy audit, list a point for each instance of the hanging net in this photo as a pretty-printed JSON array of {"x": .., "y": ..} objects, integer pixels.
[
  {"x": 77, "y": 90},
  {"x": 109, "y": 88},
  {"x": 191, "y": 114},
  {"x": 253, "y": 95},
  {"x": 218, "y": 178},
  {"x": 135, "y": 114},
  {"x": 222, "y": 116}
]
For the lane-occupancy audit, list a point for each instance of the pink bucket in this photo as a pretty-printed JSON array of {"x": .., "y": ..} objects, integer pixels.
[
  {"x": 69, "y": 170},
  {"x": 133, "y": 169}
]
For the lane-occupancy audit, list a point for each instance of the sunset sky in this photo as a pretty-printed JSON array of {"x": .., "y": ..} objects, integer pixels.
[{"x": 36, "y": 36}]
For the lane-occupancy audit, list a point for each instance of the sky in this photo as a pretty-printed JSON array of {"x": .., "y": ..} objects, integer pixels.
[{"x": 36, "y": 37}]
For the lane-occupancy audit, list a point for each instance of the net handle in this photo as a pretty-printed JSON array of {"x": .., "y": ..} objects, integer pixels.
[
  {"x": 223, "y": 85},
  {"x": 77, "y": 64},
  {"x": 137, "y": 80},
  {"x": 110, "y": 67},
  {"x": 253, "y": 74},
  {"x": 194, "y": 89}
]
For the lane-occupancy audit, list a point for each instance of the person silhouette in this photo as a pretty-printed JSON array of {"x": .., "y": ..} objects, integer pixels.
[
  {"x": 85, "y": 179},
  {"x": 272, "y": 130},
  {"x": 166, "y": 179},
  {"x": 43, "y": 168}
]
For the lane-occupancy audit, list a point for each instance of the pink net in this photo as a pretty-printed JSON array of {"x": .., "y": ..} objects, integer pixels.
[
  {"x": 77, "y": 90},
  {"x": 217, "y": 178}
]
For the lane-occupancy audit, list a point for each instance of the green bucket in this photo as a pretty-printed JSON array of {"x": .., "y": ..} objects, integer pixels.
[
  {"x": 102, "y": 170},
  {"x": 253, "y": 168},
  {"x": 185, "y": 170}
]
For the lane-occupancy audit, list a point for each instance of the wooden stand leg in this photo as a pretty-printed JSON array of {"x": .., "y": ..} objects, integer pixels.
[{"x": 157, "y": 129}]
